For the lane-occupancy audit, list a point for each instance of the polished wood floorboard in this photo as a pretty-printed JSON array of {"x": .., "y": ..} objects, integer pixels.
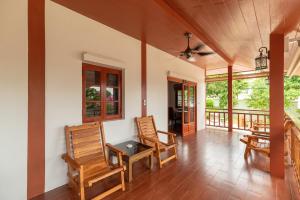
[{"x": 210, "y": 165}]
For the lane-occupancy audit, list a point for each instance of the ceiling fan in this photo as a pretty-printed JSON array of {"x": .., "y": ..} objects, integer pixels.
[{"x": 189, "y": 52}]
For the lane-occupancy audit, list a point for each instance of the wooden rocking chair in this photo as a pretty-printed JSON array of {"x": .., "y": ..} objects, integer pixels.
[
  {"x": 260, "y": 141},
  {"x": 87, "y": 161},
  {"x": 148, "y": 134}
]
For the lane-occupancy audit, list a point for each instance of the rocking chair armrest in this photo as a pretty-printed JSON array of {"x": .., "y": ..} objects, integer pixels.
[
  {"x": 149, "y": 139},
  {"x": 167, "y": 133},
  {"x": 71, "y": 161},
  {"x": 260, "y": 132},
  {"x": 258, "y": 137}
]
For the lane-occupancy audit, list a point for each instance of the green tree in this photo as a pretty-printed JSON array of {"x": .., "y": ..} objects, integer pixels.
[
  {"x": 209, "y": 103},
  {"x": 259, "y": 97},
  {"x": 291, "y": 90},
  {"x": 219, "y": 90}
]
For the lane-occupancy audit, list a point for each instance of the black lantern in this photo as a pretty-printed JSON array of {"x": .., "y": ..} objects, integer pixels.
[{"x": 261, "y": 61}]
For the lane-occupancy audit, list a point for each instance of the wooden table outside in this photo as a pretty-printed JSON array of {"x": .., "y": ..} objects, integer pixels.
[{"x": 133, "y": 154}]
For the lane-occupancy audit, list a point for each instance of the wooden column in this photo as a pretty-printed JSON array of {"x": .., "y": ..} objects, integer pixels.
[
  {"x": 144, "y": 77},
  {"x": 36, "y": 98},
  {"x": 277, "y": 104},
  {"x": 229, "y": 96}
]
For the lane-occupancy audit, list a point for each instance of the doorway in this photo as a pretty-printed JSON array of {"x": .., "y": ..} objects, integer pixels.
[{"x": 182, "y": 106}]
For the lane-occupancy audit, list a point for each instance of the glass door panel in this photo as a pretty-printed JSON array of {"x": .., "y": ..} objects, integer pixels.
[
  {"x": 186, "y": 103},
  {"x": 192, "y": 103}
]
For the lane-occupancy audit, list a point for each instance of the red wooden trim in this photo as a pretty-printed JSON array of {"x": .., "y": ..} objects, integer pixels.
[
  {"x": 104, "y": 71},
  {"x": 36, "y": 98},
  {"x": 277, "y": 105},
  {"x": 144, "y": 78},
  {"x": 229, "y": 98}
]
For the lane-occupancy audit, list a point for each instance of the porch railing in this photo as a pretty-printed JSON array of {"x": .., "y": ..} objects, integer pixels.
[
  {"x": 293, "y": 144},
  {"x": 242, "y": 118}
]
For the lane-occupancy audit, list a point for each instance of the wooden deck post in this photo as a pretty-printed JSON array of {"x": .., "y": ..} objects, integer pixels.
[
  {"x": 144, "y": 77},
  {"x": 229, "y": 96},
  {"x": 277, "y": 105},
  {"x": 36, "y": 98}
]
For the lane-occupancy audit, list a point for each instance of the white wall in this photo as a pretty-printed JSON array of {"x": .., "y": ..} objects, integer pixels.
[
  {"x": 13, "y": 107},
  {"x": 68, "y": 34},
  {"x": 158, "y": 65}
]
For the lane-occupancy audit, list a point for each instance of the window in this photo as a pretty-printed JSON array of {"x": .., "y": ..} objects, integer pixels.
[{"x": 102, "y": 93}]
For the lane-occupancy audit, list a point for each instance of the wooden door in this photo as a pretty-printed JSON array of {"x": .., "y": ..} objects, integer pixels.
[{"x": 189, "y": 108}]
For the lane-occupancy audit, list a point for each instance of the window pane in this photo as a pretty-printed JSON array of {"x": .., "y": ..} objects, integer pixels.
[
  {"x": 112, "y": 108},
  {"x": 92, "y": 83},
  {"x": 112, "y": 80},
  {"x": 92, "y": 109},
  {"x": 112, "y": 94}
]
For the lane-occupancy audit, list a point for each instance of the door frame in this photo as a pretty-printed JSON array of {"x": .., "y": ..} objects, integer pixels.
[{"x": 178, "y": 80}]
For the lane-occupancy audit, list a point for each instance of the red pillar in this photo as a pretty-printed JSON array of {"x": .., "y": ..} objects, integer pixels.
[
  {"x": 144, "y": 77},
  {"x": 36, "y": 98},
  {"x": 277, "y": 105},
  {"x": 229, "y": 98}
]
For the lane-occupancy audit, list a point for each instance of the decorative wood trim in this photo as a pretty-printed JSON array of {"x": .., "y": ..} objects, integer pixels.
[
  {"x": 36, "y": 98},
  {"x": 144, "y": 78},
  {"x": 173, "y": 79}
]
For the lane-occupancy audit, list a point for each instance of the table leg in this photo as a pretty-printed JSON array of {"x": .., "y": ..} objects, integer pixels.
[{"x": 129, "y": 170}]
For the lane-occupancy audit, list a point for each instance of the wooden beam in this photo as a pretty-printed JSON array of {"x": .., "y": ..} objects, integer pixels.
[
  {"x": 277, "y": 105},
  {"x": 36, "y": 98},
  {"x": 229, "y": 96},
  {"x": 194, "y": 28},
  {"x": 238, "y": 77},
  {"x": 144, "y": 77}
]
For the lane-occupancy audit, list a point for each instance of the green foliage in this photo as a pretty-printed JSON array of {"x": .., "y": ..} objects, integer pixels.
[
  {"x": 209, "y": 103},
  {"x": 219, "y": 90},
  {"x": 259, "y": 98},
  {"x": 291, "y": 90}
]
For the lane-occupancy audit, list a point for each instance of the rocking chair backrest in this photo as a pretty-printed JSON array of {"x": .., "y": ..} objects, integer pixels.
[
  {"x": 146, "y": 127},
  {"x": 287, "y": 125},
  {"x": 85, "y": 140}
]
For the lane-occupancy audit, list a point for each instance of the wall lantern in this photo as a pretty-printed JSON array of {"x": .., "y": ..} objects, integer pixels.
[{"x": 261, "y": 61}]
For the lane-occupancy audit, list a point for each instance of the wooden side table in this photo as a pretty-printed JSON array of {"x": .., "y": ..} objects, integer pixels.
[{"x": 136, "y": 152}]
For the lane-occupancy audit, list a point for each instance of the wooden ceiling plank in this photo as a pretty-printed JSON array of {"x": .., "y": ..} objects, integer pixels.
[{"x": 198, "y": 31}]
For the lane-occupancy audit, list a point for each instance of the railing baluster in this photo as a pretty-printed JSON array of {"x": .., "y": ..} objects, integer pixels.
[
  {"x": 265, "y": 123},
  {"x": 224, "y": 119},
  {"x": 238, "y": 121},
  {"x": 219, "y": 119},
  {"x": 214, "y": 118},
  {"x": 244, "y": 121},
  {"x": 209, "y": 118}
]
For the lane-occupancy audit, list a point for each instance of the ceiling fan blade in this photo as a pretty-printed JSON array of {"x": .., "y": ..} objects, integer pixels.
[
  {"x": 205, "y": 53},
  {"x": 198, "y": 47}
]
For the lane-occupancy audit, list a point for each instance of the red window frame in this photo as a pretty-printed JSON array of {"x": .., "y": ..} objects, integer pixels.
[{"x": 103, "y": 85}]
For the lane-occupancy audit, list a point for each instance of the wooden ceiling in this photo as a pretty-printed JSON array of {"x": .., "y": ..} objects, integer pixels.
[{"x": 234, "y": 29}]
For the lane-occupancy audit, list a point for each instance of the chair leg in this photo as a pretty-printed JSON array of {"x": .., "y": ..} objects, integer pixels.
[
  {"x": 175, "y": 153},
  {"x": 159, "y": 159},
  {"x": 81, "y": 184},
  {"x": 82, "y": 197},
  {"x": 247, "y": 152},
  {"x": 122, "y": 181}
]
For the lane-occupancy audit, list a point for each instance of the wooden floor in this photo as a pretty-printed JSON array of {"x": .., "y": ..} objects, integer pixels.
[{"x": 210, "y": 166}]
